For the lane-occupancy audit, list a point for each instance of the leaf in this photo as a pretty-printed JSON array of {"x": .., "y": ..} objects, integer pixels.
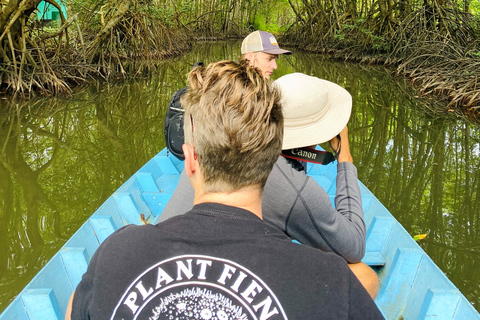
[{"x": 419, "y": 237}]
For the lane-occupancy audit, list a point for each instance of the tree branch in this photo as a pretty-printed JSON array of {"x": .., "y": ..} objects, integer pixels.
[{"x": 56, "y": 33}]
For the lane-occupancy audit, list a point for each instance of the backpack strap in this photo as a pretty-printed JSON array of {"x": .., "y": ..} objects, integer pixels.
[{"x": 173, "y": 127}]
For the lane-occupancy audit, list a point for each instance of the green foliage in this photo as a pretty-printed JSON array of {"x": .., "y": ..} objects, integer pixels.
[
  {"x": 356, "y": 33},
  {"x": 211, "y": 16},
  {"x": 339, "y": 37},
  {"x": 160, "y": 13},
  {"x": 475, "y": 54},
  {"x": 475, "y": 8},
  {"x": 273, "y": 16},
  {"x": 89, "y": 12},
  {"x": 475, "y": 23},
  {"x": 262, "y": 24},
  {"x": 379, "y": 43},
  {"x": 259, "y": 23}
]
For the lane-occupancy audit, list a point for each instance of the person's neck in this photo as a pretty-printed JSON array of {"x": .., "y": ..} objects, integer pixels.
[{"x": 249, "y": 198}]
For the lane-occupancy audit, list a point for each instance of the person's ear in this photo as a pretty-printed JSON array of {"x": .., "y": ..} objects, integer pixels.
[
  {"x": 191, "y": 162},
  {"x": 249, "y": 56}
]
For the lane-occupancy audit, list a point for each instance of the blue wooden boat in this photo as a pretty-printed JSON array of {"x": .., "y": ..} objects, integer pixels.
[{"x": 412, "y": 286}]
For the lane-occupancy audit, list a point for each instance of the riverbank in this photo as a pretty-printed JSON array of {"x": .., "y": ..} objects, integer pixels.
[
  {"x": 434, "y": 45},
  {"x": 436, "y": 48},
  {"x": 451, "y": 81},
  {"x": 458, "y": 94}
]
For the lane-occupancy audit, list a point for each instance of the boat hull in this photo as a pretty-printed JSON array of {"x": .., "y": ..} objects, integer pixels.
[{"x": 412, "y": 286}]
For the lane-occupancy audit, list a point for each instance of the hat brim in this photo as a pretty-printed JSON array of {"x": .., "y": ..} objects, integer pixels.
[
  {"x": 277, "y": 51},
  {"x": 332, "y": 121}
]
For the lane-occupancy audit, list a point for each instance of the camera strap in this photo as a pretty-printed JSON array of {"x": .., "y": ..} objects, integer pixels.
[{"x": 309, "y": 155}]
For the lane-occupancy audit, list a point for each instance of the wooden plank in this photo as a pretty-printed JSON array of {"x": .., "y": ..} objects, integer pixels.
[
  {"x": 374, "y": 259},
  {"x": 75, "y": 261},
  {"x": 41, "y": 304}
]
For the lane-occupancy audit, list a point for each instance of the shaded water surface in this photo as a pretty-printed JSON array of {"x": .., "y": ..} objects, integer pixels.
[{"x": 61, "y": 158}]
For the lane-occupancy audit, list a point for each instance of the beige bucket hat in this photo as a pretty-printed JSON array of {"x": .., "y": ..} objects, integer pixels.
[{"x": 315, "y": 110}]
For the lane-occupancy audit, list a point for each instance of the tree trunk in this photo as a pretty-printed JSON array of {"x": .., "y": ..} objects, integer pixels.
[{"x": 105, "y": 32}]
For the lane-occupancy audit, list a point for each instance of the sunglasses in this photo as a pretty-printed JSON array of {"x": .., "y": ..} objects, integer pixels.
[{"x": 193, "y": 141}]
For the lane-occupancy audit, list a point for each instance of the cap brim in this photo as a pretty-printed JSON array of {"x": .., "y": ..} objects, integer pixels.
[{"x": 277, "y": 51}]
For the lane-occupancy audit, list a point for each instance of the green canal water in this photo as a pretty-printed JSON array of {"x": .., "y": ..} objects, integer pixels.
[{"x": 61, "y": 158}]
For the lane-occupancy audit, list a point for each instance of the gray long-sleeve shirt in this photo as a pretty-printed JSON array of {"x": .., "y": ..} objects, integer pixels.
[{"x": 295, "y": 203}]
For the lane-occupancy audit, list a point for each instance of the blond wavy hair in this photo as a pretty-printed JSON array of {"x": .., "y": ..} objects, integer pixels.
[{"x": 234, "y": 119}]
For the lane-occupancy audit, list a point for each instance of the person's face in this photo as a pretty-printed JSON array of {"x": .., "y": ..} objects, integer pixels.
[{"x": 264, "y": 61}]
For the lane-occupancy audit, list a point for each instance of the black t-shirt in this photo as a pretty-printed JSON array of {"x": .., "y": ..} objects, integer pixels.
[{"x": 216, "y": 262}]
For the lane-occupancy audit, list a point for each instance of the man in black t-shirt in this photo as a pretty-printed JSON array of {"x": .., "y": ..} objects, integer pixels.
[{"x": 219, "y": 260}]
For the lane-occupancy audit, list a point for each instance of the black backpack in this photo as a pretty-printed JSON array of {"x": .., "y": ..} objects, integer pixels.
[{"x": 173, "y": 128}]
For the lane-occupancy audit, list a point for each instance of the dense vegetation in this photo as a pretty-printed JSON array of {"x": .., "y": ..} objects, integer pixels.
[{"x": 434, "y": 42}]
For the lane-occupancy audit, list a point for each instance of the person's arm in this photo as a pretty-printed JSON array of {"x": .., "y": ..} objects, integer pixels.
[
  {"x": 311, "y": 217},
  {"x": 348, "y": 203},
  {"x": 313, "y": 221},
  {"x": 342, "y": 146},
  {"x": 68, "y": 313},
  {"x": 348, "y": 199},
  {"x": 361, "y": 305}
]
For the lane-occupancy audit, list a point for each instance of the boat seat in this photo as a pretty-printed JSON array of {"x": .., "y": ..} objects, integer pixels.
[
  {"x": 41, "y": 304},
  {"x": 374, "y": 259},
  {"x": 378, "y": 234},
  {"x": 103, "y": 226}
]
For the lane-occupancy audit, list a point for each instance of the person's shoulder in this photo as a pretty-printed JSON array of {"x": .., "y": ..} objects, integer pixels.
[
  {"x": 283, "y": 169},
  {"x": 133, "y": 229},
  {"x": 313, "y": 255},
  {"x": 184, "y": 220},
  {"x": 129, "y": 232}
]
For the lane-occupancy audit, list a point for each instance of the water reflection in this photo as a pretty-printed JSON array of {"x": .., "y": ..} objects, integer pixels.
[{"x": 61, "y": 158}]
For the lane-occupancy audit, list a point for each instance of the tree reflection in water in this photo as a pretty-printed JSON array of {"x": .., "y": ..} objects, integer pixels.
[{"x": 61, "y": 158}]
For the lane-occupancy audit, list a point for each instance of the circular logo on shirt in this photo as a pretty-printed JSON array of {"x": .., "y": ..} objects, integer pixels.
[{"x": 198, "y": 287}]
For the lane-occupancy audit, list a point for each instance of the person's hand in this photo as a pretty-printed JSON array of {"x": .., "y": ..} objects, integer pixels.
[{"x": 341, "y": 145}]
